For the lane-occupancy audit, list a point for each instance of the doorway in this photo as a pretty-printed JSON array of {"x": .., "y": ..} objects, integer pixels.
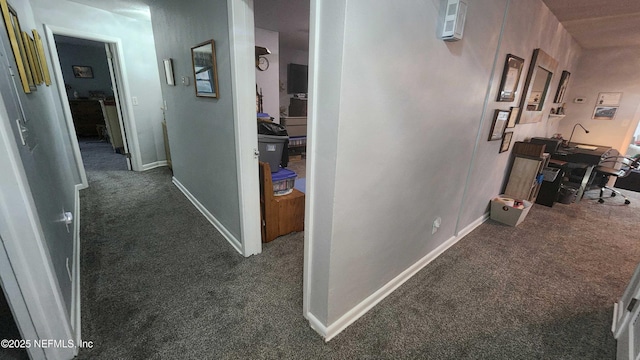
[
  {"x": 282, "y": 56},
  {"x": 91, "y": 94}
]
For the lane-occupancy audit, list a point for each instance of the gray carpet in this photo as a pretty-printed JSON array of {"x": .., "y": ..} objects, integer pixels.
[
  {"x": 159, "y": 282},
  {"x": 99, "y": 155}
]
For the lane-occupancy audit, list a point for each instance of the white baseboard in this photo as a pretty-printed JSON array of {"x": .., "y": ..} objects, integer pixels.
[
  {"x": 329, "y": 332},
  {"x": 154, "y": 165},
  {"x": 469, "y": 228},
  {"x": 215, "y": 222},
  {"x": 75, "y": 284}
]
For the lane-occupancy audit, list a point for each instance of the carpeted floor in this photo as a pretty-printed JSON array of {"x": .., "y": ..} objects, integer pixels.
[
  {"x": 159, "y": 282},
  {"x": 99, "y": 155}
]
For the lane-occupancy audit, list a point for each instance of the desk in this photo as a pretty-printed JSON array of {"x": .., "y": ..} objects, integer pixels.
[{"x": 583, "y": 158}]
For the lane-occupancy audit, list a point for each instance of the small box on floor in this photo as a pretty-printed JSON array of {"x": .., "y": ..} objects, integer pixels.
[{"x": 508, "y": 210}]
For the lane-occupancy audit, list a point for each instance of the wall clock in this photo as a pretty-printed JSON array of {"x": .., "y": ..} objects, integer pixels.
[{"x": 263, "y": 63}]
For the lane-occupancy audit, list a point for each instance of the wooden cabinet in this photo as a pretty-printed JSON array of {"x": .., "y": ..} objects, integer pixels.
[
  {"x": 87, "y": 117},
  {"x": 280, "y": 215}
]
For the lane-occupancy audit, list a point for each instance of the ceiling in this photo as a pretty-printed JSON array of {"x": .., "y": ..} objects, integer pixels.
[
  {"x": 288, "y": 17},
  {"x": 598, "y": 23},
  {"x": 593, "y": 23}
]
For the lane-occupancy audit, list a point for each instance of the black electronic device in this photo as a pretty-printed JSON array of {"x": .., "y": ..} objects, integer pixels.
[{"x": 297, "y": 78}]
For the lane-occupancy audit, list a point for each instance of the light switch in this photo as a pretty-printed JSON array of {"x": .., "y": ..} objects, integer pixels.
[
  {"x": 134, "y": 100},
  {"x": 185, "y": 80}
]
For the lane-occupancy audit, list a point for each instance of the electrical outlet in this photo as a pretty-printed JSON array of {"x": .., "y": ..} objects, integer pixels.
[{"x": 436, "y": 225}]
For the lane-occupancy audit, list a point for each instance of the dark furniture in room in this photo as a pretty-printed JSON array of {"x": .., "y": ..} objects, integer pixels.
[
  {"x": 629, "y": 182},
  {"x": 550, "y": 187},
  {"x": 88, "y": 119},
  {"x": 297, "y": 107}
]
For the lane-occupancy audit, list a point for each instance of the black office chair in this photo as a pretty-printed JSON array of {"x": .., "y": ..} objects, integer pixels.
[{"x": 621, "y": 166}]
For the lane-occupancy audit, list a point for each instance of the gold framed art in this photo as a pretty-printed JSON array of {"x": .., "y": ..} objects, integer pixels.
[
  {"x": 41, "y": 57},
  {"x": 28, "y": 49},
  {"x": 12, "y": 26}
]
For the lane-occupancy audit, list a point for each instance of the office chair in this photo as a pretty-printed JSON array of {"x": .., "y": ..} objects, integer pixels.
[{"x": 603, "y": 173}]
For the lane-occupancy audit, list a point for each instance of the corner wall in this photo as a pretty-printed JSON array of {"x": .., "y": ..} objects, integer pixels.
[
  {"x": 410, "y": 125},
  {"x": 613, "y": 69},
  {"x": 201, "y": 130}
]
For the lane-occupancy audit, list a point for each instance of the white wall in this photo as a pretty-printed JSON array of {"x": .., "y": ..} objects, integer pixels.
[
  {"x": 268, "y": 80},
  {"x": 604, "y": 70},
  {"x": 139, "y": 57},
  {"x": 529, "y": 25},
  {"x": 401, "y": 114},
  {"x": 201, "y": 130}
]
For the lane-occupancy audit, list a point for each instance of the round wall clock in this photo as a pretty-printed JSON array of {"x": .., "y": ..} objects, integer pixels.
[{"x": 263, "y": 63}]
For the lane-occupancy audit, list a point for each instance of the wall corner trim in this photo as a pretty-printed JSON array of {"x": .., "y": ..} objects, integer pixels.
[
  {"x": 76, "y": 317},
  {"x": 155, "y": 164},
  {"x": 329, "y": 332},
  {"x": 209, "y": 216}
]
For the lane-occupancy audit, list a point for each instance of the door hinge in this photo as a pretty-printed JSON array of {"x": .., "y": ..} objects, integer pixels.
[
  {"x": 256, "y": 153},
  {"x": 127, "y": 155}
]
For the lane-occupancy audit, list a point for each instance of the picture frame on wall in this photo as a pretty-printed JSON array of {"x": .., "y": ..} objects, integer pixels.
[
  {"x": 513, "y": 117},
  {"x": 168, "y": 71},
  {"x": 562, "y": 87},
  {"x": 510, "y": 78},
  {"x": 82, "y": 71},
  {"x": 500, "y": 119},
  {"x": 205, "y": 73},
  {"x": 41, "y": 57},
  {"x": 12, "y": 25},
  {"x": 506, "y": 141},
  {"x": 605, "y": 112}
]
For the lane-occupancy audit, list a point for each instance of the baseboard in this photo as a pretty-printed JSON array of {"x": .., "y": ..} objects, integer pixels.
[
  {"x": 469, "y": 228},
  {"x": 75, "y": 285},
  {"x": 329, "y": 332},
  {"x": 154, "y": 165},
  {"x": 217, "y": 224},
  {"x": 614, "y": 321}
]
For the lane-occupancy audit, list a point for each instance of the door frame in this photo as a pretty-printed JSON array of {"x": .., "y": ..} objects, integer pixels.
[
  {"x": 128, "y": 119},
  {"x": 242, "y": 51}
]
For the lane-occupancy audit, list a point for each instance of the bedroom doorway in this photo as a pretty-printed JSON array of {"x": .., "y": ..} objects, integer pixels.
[{"x": 91, "y": 93}]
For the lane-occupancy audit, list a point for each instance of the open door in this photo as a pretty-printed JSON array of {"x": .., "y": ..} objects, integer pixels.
[{"x": 113, "y": 70}]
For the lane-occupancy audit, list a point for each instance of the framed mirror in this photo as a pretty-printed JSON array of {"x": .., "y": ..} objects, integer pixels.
[
  {"x": 205, "y": 74},
  {"x": 536, "y": 87}
]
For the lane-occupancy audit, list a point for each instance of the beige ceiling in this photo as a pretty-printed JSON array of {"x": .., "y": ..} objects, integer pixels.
[{"x": 599, "y": 23}]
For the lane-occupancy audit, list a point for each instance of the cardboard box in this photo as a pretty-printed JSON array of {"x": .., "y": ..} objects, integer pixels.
[{"x": 509, "y": 215}]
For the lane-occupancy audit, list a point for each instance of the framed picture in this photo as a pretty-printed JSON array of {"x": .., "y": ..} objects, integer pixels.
[
  {"x": 30, "y": 55},
  {"x": 510, "y": 78},
  {"x": 500, "y": 119},
  {"x": 14, "y": 32},
  {"x": 562, "y": 87},
  {"x": 506, "y": 141},
  {"x": 205, "y": 74},
  {"x": 605, "y": 112},
  {"x": 168, "y": 71},
  {"x": 41, "y": 57},
  {"x": 609, "y": 99},
  {"x": 82, "y": 71},
  {"x": 513, "y": 117}
]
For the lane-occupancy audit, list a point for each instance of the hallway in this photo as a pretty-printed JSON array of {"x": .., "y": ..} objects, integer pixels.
[{"x": 158, "y": 281}]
